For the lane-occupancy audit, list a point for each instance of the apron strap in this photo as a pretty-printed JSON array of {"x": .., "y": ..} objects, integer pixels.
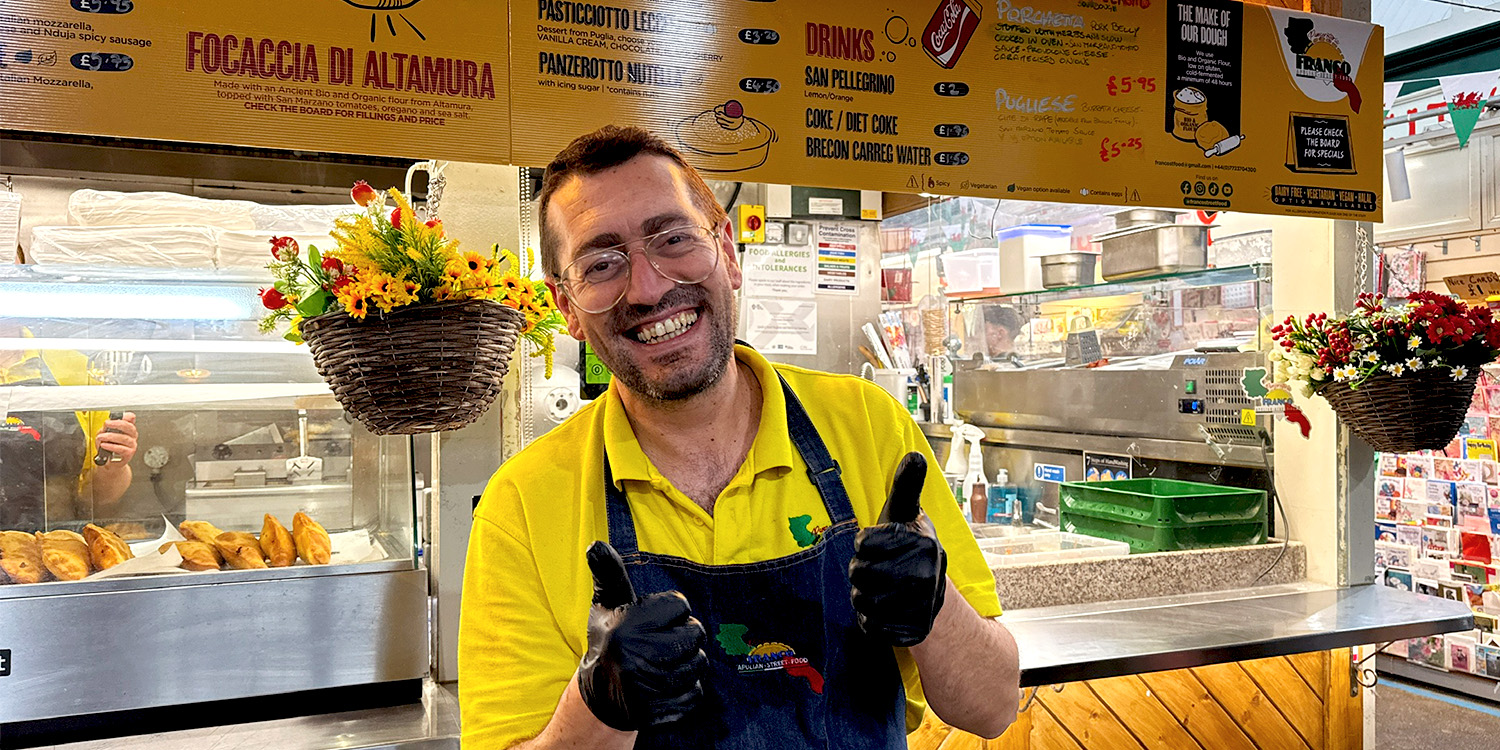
[{"x": 822, "y": 471}]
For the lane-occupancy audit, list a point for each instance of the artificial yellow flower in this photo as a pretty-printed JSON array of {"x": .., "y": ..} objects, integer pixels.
[
  {"x": 510, "y": 284},
  {"x": 475, "y": 261}
]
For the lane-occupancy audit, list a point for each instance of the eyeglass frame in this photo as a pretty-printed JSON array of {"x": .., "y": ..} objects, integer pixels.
[{"x": 567, "y": 284}]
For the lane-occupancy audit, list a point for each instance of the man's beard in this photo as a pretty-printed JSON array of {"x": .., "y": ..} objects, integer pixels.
[{"x": 688, "y": 376}]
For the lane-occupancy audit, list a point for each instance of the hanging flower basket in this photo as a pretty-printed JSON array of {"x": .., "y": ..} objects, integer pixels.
[
  {"x": 1416, "y": 412},
  {"x": 411, "y": 334},
  {"x": 1400, "y": 377},
  {"x": 424, "y": 368}
]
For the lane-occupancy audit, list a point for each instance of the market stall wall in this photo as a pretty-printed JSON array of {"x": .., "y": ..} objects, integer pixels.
[{"x": 1293, "y": 702}]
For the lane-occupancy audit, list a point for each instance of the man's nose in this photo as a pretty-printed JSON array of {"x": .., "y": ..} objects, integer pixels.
[{"x": 647, "y": 285}]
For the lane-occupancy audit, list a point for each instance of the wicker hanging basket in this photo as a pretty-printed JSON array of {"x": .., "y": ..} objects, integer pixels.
[
  {"x": 423, "y": 368},
  {"x": 1418, "y": 411}
]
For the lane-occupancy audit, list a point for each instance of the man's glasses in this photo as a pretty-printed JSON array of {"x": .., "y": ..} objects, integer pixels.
[{"x": 597, "y": 280}]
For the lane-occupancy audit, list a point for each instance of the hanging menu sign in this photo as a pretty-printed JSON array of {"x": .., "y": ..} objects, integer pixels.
[
  {"x": 403, "y": 78},
  {"x": 1175, "y": 103}
]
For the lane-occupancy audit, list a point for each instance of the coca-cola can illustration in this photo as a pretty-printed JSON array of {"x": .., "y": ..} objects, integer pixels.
[{"x": 948, "y": 32}]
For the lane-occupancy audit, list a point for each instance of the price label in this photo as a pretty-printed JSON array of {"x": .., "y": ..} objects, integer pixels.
[
  {"x": 1109, "y": 149},
  {"x": 951, "y": 130},
  {"x": 1474, "y": 287},
  {"x": 760, "y": 85},
  {"x": 950, "y": 158},
  {"x": 1125, "y": 85},
  {"x": 759, "y": 36},
  {"x": 105, "y": 62},
  {"x": 112, "y": 7},
  {"x": 4, "y": 662},
  {"x": 951, "y": 88}
]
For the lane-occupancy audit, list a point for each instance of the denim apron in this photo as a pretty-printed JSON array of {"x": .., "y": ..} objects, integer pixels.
[{"x": 789, "y": 667}]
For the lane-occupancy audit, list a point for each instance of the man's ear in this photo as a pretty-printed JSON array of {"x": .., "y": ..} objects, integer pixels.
[
  {"x": 731, "y": 258},
  {"x": 565, "y": 306}
]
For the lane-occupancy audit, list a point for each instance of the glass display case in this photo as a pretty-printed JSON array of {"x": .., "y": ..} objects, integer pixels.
[
  {"x": 1219, "y": 309},
  {"x": 234, "y": 429}
]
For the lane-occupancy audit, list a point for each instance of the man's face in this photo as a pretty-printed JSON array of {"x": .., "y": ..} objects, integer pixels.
[
  {"x": 998, "y": 339},
  {"x": 645, "y": 195}
]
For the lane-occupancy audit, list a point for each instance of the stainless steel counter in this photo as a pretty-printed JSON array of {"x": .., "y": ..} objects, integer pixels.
[
  {"x": 1057, "y": 645},
  {"x": 1093, "y": 641}
]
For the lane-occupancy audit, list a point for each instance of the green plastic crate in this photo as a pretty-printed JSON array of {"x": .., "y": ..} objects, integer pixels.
[
  {"x": 1163, "y": 502},
  {"x": 1162, "y": 538}
]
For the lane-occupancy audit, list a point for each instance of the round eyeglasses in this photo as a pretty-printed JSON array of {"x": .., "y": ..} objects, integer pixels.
[{"x": 597, "y": 280}]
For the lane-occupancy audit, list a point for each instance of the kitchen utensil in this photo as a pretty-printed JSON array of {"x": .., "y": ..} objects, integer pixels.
[
  {"x": 1140, "y": 217},
  {"x": 101, "y": 456},
  {"x": 1154, "y": 249},
  {"x": 303, "y": 468}
]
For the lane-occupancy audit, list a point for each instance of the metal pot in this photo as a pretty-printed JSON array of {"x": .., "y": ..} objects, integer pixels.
[
  {"x": 1153, "y": 250},
  {"x": 1068, "y": 269}
]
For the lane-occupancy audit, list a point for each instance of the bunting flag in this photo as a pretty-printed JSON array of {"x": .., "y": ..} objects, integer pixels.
[
  {"x": 1466, "y": 96},
  {"x": 1392, "y": 90}
]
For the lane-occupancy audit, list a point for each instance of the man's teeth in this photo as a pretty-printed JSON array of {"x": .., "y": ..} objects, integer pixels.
[{"x": 668, "y": 329}]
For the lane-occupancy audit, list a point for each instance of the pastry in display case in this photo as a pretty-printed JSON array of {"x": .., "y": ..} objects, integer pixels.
[{"x": 154, "y": 445}]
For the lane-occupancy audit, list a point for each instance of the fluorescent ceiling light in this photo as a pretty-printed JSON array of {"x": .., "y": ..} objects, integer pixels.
[{"x": 118, "y": 302}]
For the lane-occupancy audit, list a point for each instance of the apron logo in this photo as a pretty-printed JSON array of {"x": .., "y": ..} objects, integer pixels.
[
  {"x": 804, "y": 536},
  {"x": 14, "y": 424},
  {"x": 768, "y": 656}
]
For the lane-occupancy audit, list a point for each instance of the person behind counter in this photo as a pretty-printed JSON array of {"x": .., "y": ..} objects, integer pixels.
[
  {"x": 709, "y": 492},
  {"x": 47, "y": 467},
  {"x": 1001, "y": 326}
]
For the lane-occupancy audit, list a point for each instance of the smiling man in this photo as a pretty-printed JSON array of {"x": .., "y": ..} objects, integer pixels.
[{"x": 717, "y": 552}]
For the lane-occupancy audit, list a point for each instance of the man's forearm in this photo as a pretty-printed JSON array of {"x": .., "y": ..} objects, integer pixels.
[
  {"x": 573, "y": 725},
  {"x": 969, "y": 668},
  {"x": 109, "y": 483}
]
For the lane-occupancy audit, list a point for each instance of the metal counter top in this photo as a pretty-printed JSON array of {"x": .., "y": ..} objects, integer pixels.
[{"x": 1093, "y": 641}]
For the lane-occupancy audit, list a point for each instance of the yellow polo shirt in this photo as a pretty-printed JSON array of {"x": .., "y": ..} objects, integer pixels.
[{"x": 527, "y": 587}]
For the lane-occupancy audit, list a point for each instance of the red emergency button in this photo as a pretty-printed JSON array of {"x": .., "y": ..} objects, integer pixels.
[{"x": 752, "y": 223}]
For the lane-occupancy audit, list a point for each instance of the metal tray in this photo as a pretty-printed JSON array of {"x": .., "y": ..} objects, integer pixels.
[
  {"x": 1068, "y": 269},
  {"x": 1154, "y": 249}
]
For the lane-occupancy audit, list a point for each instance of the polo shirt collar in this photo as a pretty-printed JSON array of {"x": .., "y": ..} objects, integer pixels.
[{"x": 771, "y": 449}]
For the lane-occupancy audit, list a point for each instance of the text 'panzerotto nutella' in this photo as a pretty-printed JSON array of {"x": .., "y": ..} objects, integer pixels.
[{"x": 948, "y": 32}]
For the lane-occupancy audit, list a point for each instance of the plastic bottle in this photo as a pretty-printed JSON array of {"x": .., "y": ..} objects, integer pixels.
[
  {"x": 1003, "y": 499},
  {"x": 976, "y": 487}
]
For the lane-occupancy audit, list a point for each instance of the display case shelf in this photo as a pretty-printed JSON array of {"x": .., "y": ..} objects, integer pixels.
[{"x": 1211, "y": 277}]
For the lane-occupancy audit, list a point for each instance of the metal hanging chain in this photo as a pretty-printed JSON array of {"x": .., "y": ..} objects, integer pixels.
[{"x": 525, "y": 404}]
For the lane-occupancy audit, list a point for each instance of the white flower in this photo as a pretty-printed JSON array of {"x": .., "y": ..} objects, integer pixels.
[
  {"x": 1371, "y": 358},
  {"x": 1347, "y": 372},
  {"x": 1396, "y": 369},
  {"x": 1318, "y": 373},
  {"x": 1414, "y": 342},
  {"x": 1415, "y": 363},
  {"x": 1459, "y": 373},
  {"x": 1276, "y": 355}
]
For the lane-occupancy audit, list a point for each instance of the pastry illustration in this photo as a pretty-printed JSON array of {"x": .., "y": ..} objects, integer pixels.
[
  {"x": 276, "y": 542},
  {"x": 106, "y": 549},
  {"x": 21, "y": 557},
  {"x": 723, "y": 139},
  {"x": 195, "y": 555},
  {"x": 240, "y": 550},
  {"x": 1215, "y": 139},
  {"x": 313, "y": 544},
  {"x": 65, "y": 554},
  {"x": 199, "y": 531}
]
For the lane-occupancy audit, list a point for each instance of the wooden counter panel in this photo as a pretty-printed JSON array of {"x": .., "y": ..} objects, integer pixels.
[{"x": 1281, "y": 703}]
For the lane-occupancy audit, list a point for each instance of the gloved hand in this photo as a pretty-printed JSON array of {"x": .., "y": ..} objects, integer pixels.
[
  {"x": 899, "y": 573},
  {"x": 645, "y": 660}
]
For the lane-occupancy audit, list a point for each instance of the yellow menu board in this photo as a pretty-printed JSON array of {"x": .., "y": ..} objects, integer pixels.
[
  {"x": 404, "y": 78},
  {"x": 1205, "y": 104}
]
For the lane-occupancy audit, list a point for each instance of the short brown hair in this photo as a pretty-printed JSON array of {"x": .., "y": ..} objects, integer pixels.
[{"x": 611, "y": 146}]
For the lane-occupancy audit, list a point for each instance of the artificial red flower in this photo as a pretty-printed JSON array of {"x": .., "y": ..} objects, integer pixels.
[
  {"x": 284, "y": 249},
  {"x": 272, "y": 299},
  {"x": 435, "y": 224},
  {"x": 333, "y": 265},
  {"x": 363, "y": 194},
  {"x": 396, "y": 217}
]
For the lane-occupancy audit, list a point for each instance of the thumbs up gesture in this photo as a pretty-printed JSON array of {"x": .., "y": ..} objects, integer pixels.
[
  {"x": 645, "y": 662},
  {"x": 898, "y": 575}
]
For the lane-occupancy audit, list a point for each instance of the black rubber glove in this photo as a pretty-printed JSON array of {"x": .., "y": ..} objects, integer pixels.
[
  {"x": 645, "y": 662},
  {"x": 899, "y": 573}
]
